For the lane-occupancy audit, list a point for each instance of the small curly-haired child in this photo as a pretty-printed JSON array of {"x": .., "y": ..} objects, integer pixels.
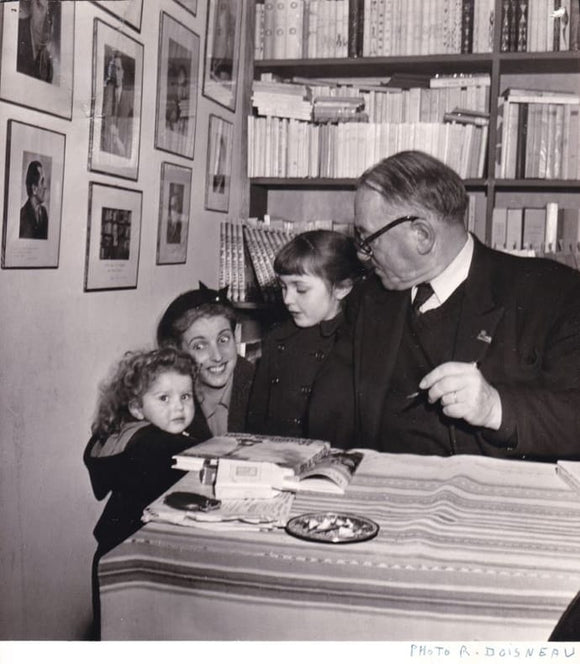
[{"x": 142, "y": 415}]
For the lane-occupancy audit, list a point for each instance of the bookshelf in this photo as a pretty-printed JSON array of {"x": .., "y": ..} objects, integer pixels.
[{"x": 555, "y": 70}]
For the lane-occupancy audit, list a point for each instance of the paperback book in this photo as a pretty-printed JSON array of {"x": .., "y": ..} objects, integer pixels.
[{"x": 254, "y": 466}]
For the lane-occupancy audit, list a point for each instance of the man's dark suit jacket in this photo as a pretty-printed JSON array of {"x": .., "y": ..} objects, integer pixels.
[
  {"x": 520, "y": 320},
  {"x": 30, "y": 227}
]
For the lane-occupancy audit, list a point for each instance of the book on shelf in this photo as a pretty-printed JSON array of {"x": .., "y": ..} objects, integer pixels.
[
  {"x": 532, "y": 95},
  {"x": 459, "y": 80},
  {"x": 534, "y": 230},
  {"x": 257, "y": 466},
  {"x": 569, "y": 226},
  {"x": 498, "y": 227},
  {"x": 467, "y": 116},
  {"x": 514, "y": 228}
]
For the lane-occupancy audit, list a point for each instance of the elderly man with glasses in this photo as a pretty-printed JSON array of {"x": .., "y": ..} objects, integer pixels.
[{"x": 457, "y": 348}]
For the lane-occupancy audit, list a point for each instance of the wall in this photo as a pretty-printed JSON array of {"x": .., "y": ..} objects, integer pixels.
[{"x": 58, "y": 342}]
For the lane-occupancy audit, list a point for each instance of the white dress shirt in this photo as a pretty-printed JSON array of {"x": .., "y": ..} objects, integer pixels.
[{"x": 446, "y": 283}]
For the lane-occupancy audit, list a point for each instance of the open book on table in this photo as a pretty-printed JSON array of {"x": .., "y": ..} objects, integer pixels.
[{"x": 246, "y": 462}]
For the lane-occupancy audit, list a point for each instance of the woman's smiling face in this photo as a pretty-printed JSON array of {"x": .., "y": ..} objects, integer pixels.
[{"x": 211, "y": 343}]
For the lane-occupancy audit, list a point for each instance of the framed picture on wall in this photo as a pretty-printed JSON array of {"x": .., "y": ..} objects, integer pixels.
[
  {"x": 190, "y": 5},
  {"x": 128, "y": 11},
  {"x": 177, "y": 85},
  {"x": 113, "y": 237},
  {"x": 219, "y": 164},
  {"x": 116, "y": 102},
  {"x": 34, "y": 176},
  {"x": 222, "y": 46},
  {"x": 174, "y": 206},
  {"x": 37, "y": 55}
]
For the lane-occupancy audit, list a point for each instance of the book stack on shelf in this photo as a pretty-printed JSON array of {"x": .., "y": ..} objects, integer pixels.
[
  {"x": 551, "y": 231},
  {"x": 540, "y": 25},
  {"x": 308, "y": 29},
  {"x": 248, "y": 248},
  {"x": 333, "y": 108},
  {"x": 282, "y": 100},
  {"x": 399, "y": 119},
  {"x": 539, "y": 132}
]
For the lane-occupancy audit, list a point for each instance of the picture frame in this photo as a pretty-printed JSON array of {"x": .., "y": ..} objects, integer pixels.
[
  {"x": 113, "y": 238},
  {"x": 190, "y": 5},
  {"x": 43, "y": 81},
  {"x": 219, "y": 164},
  {"x": 177, "y": 88},
  {"x": 174, "y": 214},
  {"x": 130, "y": 12},
  {"x": 116, "y": 102},
  {"x": 222, "y": 47},
  {"x": 34, "y": 179}
]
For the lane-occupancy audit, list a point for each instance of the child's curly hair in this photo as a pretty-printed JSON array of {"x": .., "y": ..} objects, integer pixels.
[{"x": 131, "y": 379}]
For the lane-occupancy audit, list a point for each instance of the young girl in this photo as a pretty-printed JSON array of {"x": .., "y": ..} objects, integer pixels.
[
  {"x": 142, "y": 415},
  {"x": 316, "y": 271}
]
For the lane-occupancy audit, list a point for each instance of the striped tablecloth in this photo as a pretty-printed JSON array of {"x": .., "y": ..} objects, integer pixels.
[{"x": 469, "y": 548}]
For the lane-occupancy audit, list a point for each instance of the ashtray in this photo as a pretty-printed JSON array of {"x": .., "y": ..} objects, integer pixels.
[
  {"x": 191, "y": 502},
  {"x": 332, "y": 527}
]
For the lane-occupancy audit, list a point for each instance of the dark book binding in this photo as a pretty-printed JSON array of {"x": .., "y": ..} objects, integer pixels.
[
  {"x": 467, "y": 9},
  {"x": 522, "y": 26},
  {"x": 355, "y": 28}
]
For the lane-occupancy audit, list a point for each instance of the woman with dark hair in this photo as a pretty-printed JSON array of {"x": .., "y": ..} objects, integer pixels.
[
  {"x": 294, "y": 393},
  {"x": 202, "y": 323}
]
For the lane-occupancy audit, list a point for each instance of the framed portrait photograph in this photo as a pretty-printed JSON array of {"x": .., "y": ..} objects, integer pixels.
[
  {"x": 174, "y": 206},
  {"x": 219, "y": 164},
  {"x": 37, "y": 55},
  {"x": 222, "y": 46},
  {"x": 190, "y": 5},
  {"x": 34, "y": 176},
  {"x": 116, "y": 102},
  {"x": 177, "y": 86},
  {"x": 128, "y": 11},
  {"x": 113, "y": 237}
]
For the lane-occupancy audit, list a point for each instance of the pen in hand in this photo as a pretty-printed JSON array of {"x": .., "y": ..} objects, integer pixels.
[{"x": 419, "y": 392}]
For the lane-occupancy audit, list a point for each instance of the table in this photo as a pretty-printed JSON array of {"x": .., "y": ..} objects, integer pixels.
[{"x": 469, "y": 548}]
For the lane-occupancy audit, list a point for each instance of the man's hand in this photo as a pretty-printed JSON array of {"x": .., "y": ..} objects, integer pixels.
[{"x": 464, "y": 394}]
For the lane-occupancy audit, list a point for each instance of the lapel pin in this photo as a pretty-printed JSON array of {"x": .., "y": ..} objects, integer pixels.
[{"x": 484, "y": 336}]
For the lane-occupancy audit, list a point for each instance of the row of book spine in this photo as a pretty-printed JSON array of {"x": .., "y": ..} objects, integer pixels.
[
  {"x": 248, "y": 248},
  {"x": 538, "y": 140},
  {"x": 549, "y": 229},
  {"x": 279, "y": 147},
  {"x": 247, "y": 255},
  {"x": 540, "y": 25},
  {"x": 414, "y": 27},
  {"x": 308, "y": 29},
  {"x": 296, "y": 29}
]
